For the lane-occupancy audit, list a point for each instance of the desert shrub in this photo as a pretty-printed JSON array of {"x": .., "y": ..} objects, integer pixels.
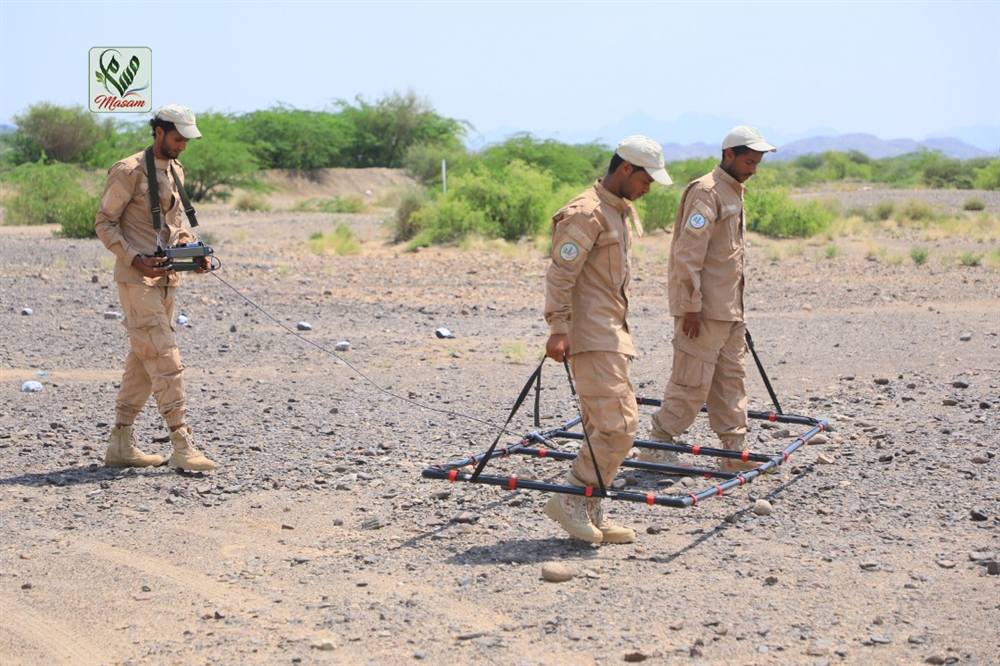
[
  {"x": 831, "y": 251},
  {"x": 992, "y": 259},
  {"x": 53, "y": 194},
  {"x": 988, "y": 177},
  {"x": 509, "y": 203},
  {"x": 331, "y": 205},
  {"x": 884, "y": 210},
  {"x": 250, "y": 202},
  {"x": 659, "y": 208},
  {"x": 444, "y": 220},
  {"x": 918, "y": 211},
  {"x": 919, "y": 255},
  {"x": 402, "y": 224},
  {"x": 772, "y": 213},
  {"x": 973, "y": 204},
  {"x": 341, "y": 241},
  {"x": 970, "y": 259}
]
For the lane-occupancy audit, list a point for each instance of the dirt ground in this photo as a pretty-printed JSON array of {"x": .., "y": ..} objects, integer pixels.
[{"x": 318, "y": 542}]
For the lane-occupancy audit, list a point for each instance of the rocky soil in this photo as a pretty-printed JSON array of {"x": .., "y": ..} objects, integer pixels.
[{"x": 318, "y": 541}]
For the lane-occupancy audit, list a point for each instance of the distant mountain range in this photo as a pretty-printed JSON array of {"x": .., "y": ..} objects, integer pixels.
[
  {"x": 868, "y": 144},
  {"x": 960, "y": 142}
]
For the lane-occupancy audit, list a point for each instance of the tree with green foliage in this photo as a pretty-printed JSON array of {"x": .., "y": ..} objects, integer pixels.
[
  {"x": 219, "y": 161},
  {"x": 385, "y": 130},
  {"x": 566, "y": 164},
  {"x": 118, "y": 139},
  {"x": 61, "y": 134},
  {"x": 988, "y": 177},
  {"x": 287, "y": 138},
  {"x": 423, "y": 161}
]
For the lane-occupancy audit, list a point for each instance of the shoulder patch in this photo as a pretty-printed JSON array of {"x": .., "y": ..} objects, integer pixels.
[
  {"x": 697, "y": 221},
  {"x": 569, "y": 251}
]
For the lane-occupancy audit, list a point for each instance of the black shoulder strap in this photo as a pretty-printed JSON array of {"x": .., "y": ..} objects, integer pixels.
[
  {"x": 188, "y": 208},
  {"x": 154, "y": 193}
]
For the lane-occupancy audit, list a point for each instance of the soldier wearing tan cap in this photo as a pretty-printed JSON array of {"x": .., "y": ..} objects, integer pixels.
[
  {"x": 146, "y": 287},
  {"x": 586, "y": 308},
  {"x": 706, "y": 281}
]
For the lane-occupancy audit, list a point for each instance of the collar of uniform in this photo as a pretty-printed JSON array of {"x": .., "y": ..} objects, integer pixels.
[
  {"x": 720, "y": 174},
  {"x": 619, "y": 204},
  {"x": 162, "y": 164}
]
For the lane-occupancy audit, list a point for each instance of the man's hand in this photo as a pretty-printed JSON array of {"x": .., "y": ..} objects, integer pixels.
[
  {"x": 691, "y": 326},
  {"x": 204, "y": 266},
  {"x": 557, "y": 347},
  {"x": 152, "y": 267}
]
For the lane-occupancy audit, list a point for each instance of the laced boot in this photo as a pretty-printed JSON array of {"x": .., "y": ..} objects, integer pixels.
[
  {"x": 185, "y": 455},
  {"x": 570, "y": 511},
  {"x": 123, "y": 450},
  {"x": 659, "y": 455},
  {"x": 735, "y": 443},
  {"x": 610, "y": 532}
]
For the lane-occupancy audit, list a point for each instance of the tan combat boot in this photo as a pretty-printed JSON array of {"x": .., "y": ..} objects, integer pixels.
[
  {"x": 570, "y": 511},
  {"x": 185, "y": 456},
  {"x": 659, "y": 455},
  {"x": 735, "y": 443},
  {"x": 610, "y": 532},
  {"x": 123, "y": 450}
]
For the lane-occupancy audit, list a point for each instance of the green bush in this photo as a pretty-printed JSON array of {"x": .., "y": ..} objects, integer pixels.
[
  {"x": 988, "y": 177},
  {"x": 332, "y": 205},
  {"x": 342, "y": 242},
  {"x": 250, "y": 202},
  {"x": 884, "y": 210},
  {"x": 659, "y": 208},
  {"x": 509, "y": 203},
  {"x": 917, "y": 210},
  {"x": 565, "y": 164},
  {"x": 772, "y": 213},
  {"x": 444, "y": 220},
  {"x": 53, "y": 194},
  {"x": 683, "y": 172},
  {"x": 403, "y": 228},
  {"x": 973, "y": 204},
  {"x": 919, "y": 255},
  {"x": 423, "y": 162},
  {"x": 970, "y": 259}
]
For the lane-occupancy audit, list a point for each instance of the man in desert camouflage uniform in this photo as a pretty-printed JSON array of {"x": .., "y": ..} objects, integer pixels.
[
  {"x": 586, "y": 308},
  {"x": 146, "y": 287},
  {"x": 706, "y": 282}
]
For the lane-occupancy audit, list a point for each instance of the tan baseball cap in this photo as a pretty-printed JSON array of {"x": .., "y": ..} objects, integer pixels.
[
  {"x": 182, "y": 118},
  {"x": 646, "y": 153},
  {"x": 744, "y": 135}
]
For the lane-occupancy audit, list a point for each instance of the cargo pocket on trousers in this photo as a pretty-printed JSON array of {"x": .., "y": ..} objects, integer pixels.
[
  {"x": 690, "y": 372},
  {"x": 151, "y": 336}
]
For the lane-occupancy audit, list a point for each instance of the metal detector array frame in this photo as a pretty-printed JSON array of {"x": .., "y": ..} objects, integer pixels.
[{"x": 538, "y": 444}]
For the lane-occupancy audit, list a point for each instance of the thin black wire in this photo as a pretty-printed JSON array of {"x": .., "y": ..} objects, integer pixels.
[{"x": 357, "y": 371}]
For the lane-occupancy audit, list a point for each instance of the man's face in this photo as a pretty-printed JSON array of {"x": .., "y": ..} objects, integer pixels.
[
  {"x": 171, "y": 143},
  {"x": 636, "y": 183},
  {"x": 741, "y": 167}
]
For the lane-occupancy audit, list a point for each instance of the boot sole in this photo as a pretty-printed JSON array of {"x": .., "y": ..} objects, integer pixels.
[{"x": 122, "y": 464}]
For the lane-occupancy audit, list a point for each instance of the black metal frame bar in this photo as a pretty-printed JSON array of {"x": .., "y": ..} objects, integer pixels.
[{"x": 535, "y": 444}]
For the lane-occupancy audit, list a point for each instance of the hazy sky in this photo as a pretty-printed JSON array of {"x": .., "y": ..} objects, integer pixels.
[{"x": 894, "y": 69}]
